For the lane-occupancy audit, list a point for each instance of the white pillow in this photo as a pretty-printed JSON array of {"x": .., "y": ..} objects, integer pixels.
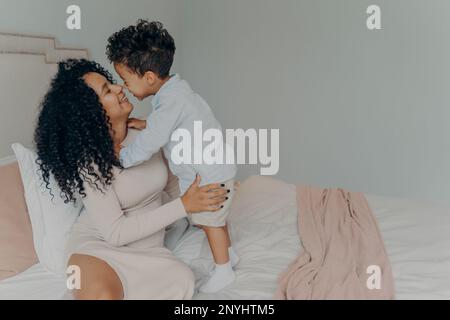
[{"x": 51, "y": 219}]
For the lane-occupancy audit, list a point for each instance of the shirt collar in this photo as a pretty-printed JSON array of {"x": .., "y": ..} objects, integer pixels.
[{"x": 174, "y": 78}]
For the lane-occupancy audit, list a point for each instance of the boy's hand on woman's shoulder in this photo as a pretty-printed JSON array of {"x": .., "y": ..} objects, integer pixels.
[{"x": 135, "y": 123}]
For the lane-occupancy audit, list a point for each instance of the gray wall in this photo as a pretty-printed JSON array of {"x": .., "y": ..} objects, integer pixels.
[
  {"x": 100, "y": 18},
  {"x": 365, "y": 110}
]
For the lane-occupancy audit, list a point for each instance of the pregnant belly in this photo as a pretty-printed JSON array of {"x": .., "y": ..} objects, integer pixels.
[{"x": 152, "y": 241}]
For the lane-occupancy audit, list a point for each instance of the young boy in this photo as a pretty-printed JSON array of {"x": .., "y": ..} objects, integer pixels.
[{"x": 142, "y": 56}]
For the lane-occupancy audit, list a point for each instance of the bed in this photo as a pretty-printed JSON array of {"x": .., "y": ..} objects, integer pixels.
[{"x": 263, "y": 219}]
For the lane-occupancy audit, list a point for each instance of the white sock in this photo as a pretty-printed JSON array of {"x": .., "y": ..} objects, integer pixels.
[
  {"x": 234, "y": 258},
  {"x": 222, "y": 276}
]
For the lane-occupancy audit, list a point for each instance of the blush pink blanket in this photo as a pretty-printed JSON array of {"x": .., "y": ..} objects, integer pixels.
[{"x": 344, "y": 255}]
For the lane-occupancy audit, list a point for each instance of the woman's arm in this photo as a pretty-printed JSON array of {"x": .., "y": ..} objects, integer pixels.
[{"x": 118, "y": 228}]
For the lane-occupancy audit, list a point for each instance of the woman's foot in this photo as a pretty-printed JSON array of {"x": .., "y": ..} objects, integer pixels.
[{"x": 222, "y": 276}]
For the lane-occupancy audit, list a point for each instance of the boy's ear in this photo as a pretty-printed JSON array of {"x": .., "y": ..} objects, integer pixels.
[{"x": 151, "y": 77}]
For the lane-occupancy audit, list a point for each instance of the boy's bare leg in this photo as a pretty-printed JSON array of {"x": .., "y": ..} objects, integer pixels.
[
  {"x": 225, "y": 227},
  {"x": 218, "y": 241}
]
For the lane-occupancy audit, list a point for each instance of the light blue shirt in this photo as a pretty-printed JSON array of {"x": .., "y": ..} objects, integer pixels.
[{"x": 177, "y": 106}]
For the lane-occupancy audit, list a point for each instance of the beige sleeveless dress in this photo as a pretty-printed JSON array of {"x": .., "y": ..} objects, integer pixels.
[{"x": 125, "y": 227}]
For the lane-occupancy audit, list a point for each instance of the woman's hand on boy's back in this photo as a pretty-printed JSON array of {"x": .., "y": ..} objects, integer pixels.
[{"x": 135, "y": 123}]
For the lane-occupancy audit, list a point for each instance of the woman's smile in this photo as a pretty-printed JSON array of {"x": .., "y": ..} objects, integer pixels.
[{"x": 123, "y": 101}]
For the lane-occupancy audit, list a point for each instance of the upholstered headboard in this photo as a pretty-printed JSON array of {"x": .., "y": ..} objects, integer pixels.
[{"x": 27, "y": 65}]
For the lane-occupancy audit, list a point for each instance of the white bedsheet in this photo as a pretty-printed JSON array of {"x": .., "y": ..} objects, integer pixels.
[
  {"x": 417, "y": 238},
  {"x": 36, "y": 283}
]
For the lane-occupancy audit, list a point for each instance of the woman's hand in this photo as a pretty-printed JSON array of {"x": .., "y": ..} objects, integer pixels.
[{"x": 206, "y": 198}]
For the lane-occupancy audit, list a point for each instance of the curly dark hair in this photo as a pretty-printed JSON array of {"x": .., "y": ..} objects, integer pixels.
[
  {"x": 147, "y": 46},
  {"x": 72, "y": 136}
]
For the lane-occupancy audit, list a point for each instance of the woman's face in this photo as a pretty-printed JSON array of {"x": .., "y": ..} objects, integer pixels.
[{"x": 111, "y": 96}]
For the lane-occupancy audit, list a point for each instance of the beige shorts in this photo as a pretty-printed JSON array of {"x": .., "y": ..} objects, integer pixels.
[{"x": 215, "y": 218}]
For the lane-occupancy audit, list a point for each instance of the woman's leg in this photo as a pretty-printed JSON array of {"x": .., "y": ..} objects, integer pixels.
[
  {"x": 98, "y": 280},
  {"x": 175, "y": 282}
]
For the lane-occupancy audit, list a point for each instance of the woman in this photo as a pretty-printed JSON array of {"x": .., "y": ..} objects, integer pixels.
[{"x": 118, "y": 239}]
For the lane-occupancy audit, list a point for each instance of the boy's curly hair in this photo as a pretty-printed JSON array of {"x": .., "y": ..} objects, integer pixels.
[
  {"x": 72, "y": 136},
  {"x": 147, "y": 46}
]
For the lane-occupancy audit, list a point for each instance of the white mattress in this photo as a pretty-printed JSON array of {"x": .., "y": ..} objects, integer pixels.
[{"x": 417, "y": 238}]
